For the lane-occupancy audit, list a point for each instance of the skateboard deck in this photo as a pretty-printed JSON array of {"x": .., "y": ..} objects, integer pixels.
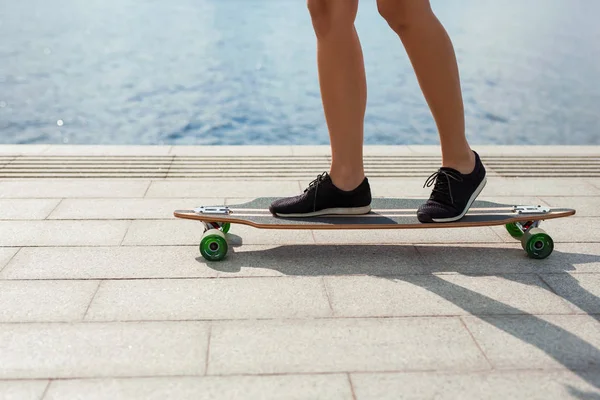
[{"x": 521, "y": 221}]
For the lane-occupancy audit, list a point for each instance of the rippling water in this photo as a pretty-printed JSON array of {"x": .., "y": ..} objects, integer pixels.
[{"x": 244, "y": 72}]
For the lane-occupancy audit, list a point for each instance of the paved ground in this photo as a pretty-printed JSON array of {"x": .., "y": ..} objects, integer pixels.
[{"x": 103, "y": 295}]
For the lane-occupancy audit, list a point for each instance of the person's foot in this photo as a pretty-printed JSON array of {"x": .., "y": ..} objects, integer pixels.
[
  {"x": 453, "y": 193},
  {"x": 323, "y": 197}
]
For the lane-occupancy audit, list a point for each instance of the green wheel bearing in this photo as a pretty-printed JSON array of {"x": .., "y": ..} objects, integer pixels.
[
  {"x": 213, "y": 245},
  {"x": 537, "y": 243},
  {"x": 514, "y": 230}
]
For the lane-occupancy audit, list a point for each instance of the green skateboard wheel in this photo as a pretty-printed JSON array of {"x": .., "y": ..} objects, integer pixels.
[
  {"x": 225, "y": 226},
  {"x": 514, "y": 230},
  {"x": 213, "y": 245},
  {"x": 537, "y": 243},
  {"x": 222, "y": 226}
]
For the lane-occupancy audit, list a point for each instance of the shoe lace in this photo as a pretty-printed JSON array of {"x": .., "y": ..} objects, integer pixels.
[
  {"x": 442, "y": 178},
  {"x": 315, "y": 183}
]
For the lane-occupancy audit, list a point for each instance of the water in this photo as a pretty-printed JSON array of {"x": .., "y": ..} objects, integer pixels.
[{"x": 244, "y": 72}]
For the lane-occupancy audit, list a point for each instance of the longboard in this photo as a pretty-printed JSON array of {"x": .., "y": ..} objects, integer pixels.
[{"x": 521, "y": 221}]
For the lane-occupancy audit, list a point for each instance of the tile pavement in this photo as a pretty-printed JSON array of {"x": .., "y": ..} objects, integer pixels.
[{"x": 103, "y": 295}]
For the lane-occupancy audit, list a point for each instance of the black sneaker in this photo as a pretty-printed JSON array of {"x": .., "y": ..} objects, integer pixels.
[
  {"x": 453, "y": 193},
  {"x": 323, "y": 197}
]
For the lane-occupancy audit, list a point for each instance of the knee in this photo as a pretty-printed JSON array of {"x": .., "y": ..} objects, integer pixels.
[
  {"x": 316, "y": 8},
  {"x": 329, "y": 14},
  {"x": 401, "y": 14}
]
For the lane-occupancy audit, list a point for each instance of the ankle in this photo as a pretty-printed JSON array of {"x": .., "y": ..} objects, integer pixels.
[
  {"x": 347, "y": 182},
  {"x": 464, "y": 164}
]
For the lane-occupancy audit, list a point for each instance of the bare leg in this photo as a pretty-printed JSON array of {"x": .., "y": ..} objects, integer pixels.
[
  {"x": 432, "y": 56},
  {"x": 343, "y": 86}
]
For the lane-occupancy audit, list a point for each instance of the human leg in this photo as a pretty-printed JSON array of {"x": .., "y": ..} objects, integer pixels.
[
  {"x": 343, "y": 86},
  {"x": 345, "y": 190},
  {"x": 432, "y": 55}
]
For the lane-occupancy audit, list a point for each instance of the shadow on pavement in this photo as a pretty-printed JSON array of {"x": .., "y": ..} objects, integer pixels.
[{"x": 412, "y": 263}]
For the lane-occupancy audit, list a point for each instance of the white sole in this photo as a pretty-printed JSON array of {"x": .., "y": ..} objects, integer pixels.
[
  {"x": 471, "y": 200},
  {"x": 331, "y": 211}
]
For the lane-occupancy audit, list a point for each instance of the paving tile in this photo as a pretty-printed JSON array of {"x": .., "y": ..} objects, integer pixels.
[
  {"x": 69, "y": 188},
  {"x": 27, "y": 208},
  {"x": 311, "y": 150},
  {"x": 225, "y": 188},
  {"x": 404, "y": 172},
  {"x": 418, "y": 295},
  {"x": 319, "y": 260},
  {"x": 6, "y": 254},
  {"x": 288, "y": 387},
  {"x": 85, "y": 350},
  {"x": 390, "y": 236},
  {"x": 187, "y": 232},
  {"x": 538, "y": 342},
  {"x": 540, "y": 187},
  {"x": 107, "y": 263},
  {"x": 172, "y": 232},
  {"x": 400, "y": 187},
  {"x": 22, "y": 390},
  {"x": 384, "y": 150},
  {"x": 426, "y": 150},
  {"x": 542, "y": 150},
  {"x": 594, "y": 182},
  {"x": 237, "y": 200},
  {"x": 508, "y": 258},
  {"x": 515, "y": 150},
  {"x": 499, "y": 385},
  {"x": 187, "y": 299},
  {"x": 514, "y": 200},
  {"x": 581, "y": 290},
  {"x": 333, "y": 345},
  {"x": 242, "y": 234},
  {"x": 483, "y": 150},
  {"x": 20, "y": 149},
  {"x": 107, "y": 150},
  {"x": 511, "y": 151},
  {"x": 564, "y": 230},
  {"x": 62, "y": 233},
  {"x": 126, "y": 208},
  {"x": 231, "y": 151},
  {"x": 45, "y": 301},
  {"x": 585, "y": 206}
]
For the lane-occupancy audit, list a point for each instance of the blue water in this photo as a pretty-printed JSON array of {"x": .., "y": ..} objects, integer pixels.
[{"x": 244, "y": 72}]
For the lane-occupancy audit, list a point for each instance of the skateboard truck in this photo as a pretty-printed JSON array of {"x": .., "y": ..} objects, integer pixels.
[
  {"x": 531, "y": 209},
  {"x": 212, "y": 210}
]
